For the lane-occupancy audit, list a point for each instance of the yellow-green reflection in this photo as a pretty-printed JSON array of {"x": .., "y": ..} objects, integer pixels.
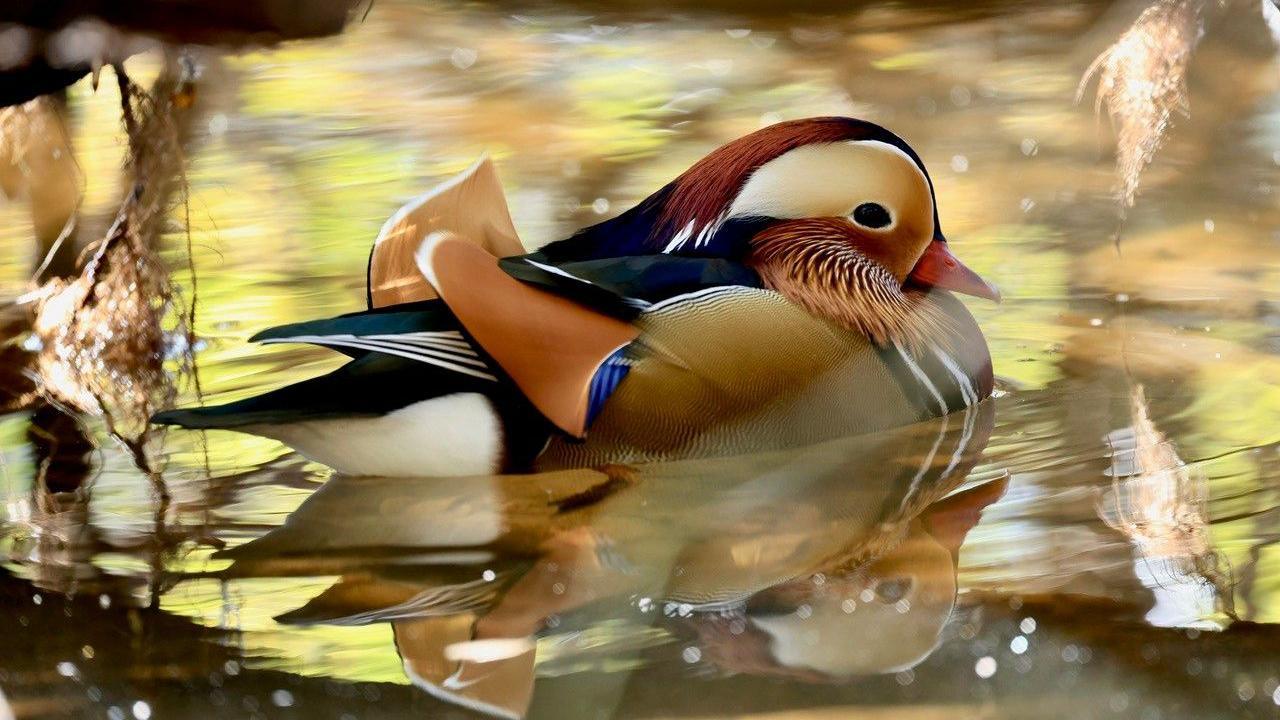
[{"x": 307, "y": 148}]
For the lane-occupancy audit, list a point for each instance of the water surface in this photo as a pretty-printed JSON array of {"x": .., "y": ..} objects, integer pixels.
[{"x": 1098, "y": 541}]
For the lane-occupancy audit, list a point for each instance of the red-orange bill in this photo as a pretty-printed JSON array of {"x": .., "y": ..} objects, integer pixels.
[{"x": 939, "y": 268}]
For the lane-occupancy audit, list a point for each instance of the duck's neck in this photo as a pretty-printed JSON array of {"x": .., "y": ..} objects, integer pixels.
[{"x": 831, "y": 279}]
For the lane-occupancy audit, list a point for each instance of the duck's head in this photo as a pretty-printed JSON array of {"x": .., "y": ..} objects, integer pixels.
[
  {"x": 812, "y": 168},
  {"x": 869, "y": 188},
  {"x": 839, "y": 215},
  {"x": 836, "y": 213}
]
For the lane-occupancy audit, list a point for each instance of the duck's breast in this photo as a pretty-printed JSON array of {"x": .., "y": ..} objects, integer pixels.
[{"x": 734, "y": 369}]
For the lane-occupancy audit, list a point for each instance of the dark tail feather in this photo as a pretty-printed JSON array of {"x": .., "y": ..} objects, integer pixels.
[
  {"x": 254, "y": 411},
  {"x": 193, "y": 418},
  {"x": 370, "y": 386},
  {"x": 410, "y": 317}
]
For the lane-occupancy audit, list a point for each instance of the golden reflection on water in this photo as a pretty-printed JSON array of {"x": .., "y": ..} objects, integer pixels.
[
  {"x": 305, "y": 149},
  {"x": 754, "y": 558}
]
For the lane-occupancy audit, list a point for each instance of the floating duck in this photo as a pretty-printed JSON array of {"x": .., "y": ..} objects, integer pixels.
[{"x": 786, "y": 289}]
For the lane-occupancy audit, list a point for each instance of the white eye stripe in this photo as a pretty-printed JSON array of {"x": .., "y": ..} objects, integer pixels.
[{"x": 831, "y": 180}]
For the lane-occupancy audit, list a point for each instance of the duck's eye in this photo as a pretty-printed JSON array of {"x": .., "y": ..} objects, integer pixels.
[{"x": 872, "y": 215}]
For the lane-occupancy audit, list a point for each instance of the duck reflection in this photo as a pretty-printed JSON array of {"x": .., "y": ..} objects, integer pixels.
[{"x": 814, "y": 564}]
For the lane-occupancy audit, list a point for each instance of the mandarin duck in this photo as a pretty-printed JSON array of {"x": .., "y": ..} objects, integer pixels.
[{"x": 788, "y": 288}]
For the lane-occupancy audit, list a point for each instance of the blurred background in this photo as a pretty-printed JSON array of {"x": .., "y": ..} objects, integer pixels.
[{"x": 180, "y": 176}]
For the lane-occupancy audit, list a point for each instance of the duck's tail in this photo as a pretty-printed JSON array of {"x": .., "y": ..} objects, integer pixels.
[{"x": 387, "y": 415}]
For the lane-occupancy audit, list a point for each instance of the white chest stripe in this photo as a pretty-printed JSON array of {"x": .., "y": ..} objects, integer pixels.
[
  {"x": 967, "y": 390},
  {"x": 922, "y": 377}
]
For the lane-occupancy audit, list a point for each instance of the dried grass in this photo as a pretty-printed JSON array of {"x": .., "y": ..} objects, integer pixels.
[
  {"x": 104, "y": 334},
  {"x": 1142, "y": 84},
  {"x": 1160, "y": 504}
]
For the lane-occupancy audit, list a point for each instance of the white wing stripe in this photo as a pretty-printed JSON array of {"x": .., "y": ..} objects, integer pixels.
[
  {"x": 457, "y": 334},
  {"x": 448, "y": 353},
  {"x": 329, "y": 340},
  {"x": 451, "y": 337},
  {"x": 461, "y": 346},
  {"x": 432, "y": 352},
  {"x": 454, "y": 335},
  {"x": 464, "y": 354},
  {"x": 557, "y": 271}
]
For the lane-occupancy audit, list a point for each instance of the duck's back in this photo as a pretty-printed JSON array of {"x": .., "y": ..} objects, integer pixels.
[{"x": 736, "y": 369}]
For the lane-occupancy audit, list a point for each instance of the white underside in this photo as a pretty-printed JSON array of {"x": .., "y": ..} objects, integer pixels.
[{"x": 457, "y": 434}]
